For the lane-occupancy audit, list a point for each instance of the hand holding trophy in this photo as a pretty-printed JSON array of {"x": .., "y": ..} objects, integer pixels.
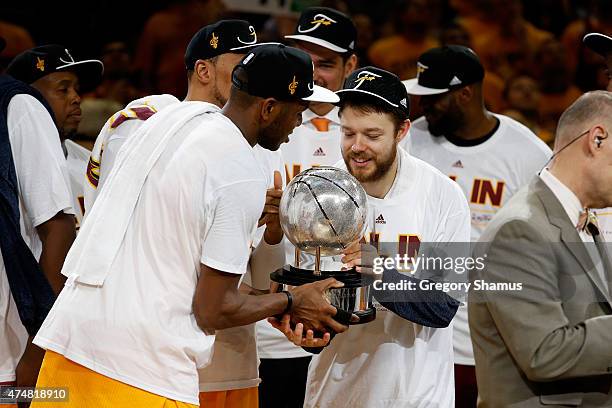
[{"x": 323, "y": 211}]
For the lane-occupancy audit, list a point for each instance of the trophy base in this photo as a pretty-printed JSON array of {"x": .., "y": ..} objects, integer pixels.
[{"x": 353, "y": 298}]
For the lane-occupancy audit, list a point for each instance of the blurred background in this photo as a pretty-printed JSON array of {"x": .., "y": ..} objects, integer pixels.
[{"x": 532, "y": 49}]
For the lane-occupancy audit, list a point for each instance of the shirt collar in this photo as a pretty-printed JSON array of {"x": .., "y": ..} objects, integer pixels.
[
  {"x": 569, "y": 201},
  {"x": 332, "y": 115}
]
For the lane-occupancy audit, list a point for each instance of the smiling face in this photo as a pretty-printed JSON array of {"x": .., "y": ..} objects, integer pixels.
[
  {"x": 369, "y": 143},
  {"x": 61, "y": 90}
]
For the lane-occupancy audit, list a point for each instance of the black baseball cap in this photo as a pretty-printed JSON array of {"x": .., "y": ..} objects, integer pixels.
[
  {"x": 280, "y": 72},
  {"x": 326, "y": 27},
  {"x": 37, "y": 62},
  {"x": 220, "y": 38},
  {"x": 442, "y": 69},
  {"x": 380, "y": 84},
  {"x": 600, "y": 43}
]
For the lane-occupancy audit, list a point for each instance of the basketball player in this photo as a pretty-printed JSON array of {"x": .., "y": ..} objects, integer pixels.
[
  {"x": 152, "y": 294},
  {"x": 53, "y": 71},
  {"x": 231, "y": 378},
  {"x": 490, "y": 156},
  {"x": 391, "y": 361},
  {"x": 328, "y": 36}
]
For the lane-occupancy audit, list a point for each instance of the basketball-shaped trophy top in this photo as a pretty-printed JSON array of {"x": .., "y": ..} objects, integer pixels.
[{"x": 323, "y": 207}]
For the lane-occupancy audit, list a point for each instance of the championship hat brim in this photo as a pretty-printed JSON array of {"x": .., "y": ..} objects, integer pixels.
[
  {"x": 317, "y": 41},
  {"x": 413, "y": 88},
  {"x": 321, "y": 94}
]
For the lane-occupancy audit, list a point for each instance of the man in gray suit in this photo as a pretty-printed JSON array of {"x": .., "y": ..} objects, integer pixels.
[{"x": 540, "y": 311}]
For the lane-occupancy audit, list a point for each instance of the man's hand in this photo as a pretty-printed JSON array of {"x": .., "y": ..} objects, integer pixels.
[
  {"x": 29, "y": 365},
  {"x": 296, "y": 335},
  {"x": 359, "y": 255},
  {"x": 312, "y": 308},
  {"x": 270, "y": 215}
]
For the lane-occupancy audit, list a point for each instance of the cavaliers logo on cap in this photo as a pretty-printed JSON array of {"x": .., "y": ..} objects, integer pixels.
[
  {"x": 293, "y": 86},
  {"x": 214, "y": 41},
  {"x": 365, "y": 76},
  {"x": 40, "y": 64},
  {"x": 421, "y": 68},
  {"x": 251, "y": 34},
  {"x": 317, "y": 21}
]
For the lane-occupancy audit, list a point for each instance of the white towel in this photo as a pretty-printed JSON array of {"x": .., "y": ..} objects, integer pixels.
[
  {"x": 140, "y": 109},
  {"x": 88, "y": 261}
]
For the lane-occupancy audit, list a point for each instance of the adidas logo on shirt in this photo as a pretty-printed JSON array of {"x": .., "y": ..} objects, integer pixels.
[
  {"x": 380, "y": 219},
  {"x": 319, "y": 152},
  {"x": 458, "y": 164}
]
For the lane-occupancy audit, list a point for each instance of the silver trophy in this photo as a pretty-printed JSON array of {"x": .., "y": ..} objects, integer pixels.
[{"x": 322, "y": 211}]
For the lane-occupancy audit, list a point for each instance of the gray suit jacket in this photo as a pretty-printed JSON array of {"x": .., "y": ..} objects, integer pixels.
[{"x": 549, "y": 343}]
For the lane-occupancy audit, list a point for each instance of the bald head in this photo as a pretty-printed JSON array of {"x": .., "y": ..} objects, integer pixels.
[{"x": 591, "y": 109}]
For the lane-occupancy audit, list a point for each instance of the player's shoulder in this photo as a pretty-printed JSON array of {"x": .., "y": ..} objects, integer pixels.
[
  {"x": 432, "y": 179},
  {"x": 25, "y": 104},
  {"x": 436, "y": 187},
  {"x": 520, "y": 136}
]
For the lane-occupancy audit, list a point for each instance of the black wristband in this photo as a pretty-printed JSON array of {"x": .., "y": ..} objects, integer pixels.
[{"x": 289, "y": 301}]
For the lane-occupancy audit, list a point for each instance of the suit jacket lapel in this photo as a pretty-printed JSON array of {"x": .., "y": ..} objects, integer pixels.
[{"x": 569, "y": 235}]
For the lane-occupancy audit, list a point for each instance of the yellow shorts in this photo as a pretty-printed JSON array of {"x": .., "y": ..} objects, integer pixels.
[
  {"x": 244, "y": 398},
  {"x": 88, "y": 389}
]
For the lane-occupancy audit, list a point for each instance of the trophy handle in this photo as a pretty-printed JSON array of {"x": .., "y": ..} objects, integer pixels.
[
  {"x": 317, "y": 270},
  {"x": 297, "y": 257}
]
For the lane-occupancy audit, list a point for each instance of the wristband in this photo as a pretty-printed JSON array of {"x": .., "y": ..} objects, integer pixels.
[{"x": 289, "y": 301}]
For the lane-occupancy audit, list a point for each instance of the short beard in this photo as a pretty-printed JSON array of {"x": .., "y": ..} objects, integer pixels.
[
  {"x": 219, "y": 99},
  {"x": 269, "y": 136},
  {"x": 447, "y": 124},
  {"x": 382, "y": 168},
  {"x": 66, "y": 133}
]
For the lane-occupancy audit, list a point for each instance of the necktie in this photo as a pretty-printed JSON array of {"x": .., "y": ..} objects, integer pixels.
[
  {"x": 321, "y": 124},
  {"x": 588, "y": 222}
]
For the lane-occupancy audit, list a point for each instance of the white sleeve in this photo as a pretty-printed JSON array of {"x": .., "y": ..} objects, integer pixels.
[
  {"x": 113, "y": 145},
  {"x": 230, "y": 224},
  {"x": 40, "y": 164}
]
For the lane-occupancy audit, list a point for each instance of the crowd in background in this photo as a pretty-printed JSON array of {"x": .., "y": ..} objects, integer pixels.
[{"x": 532, "y": 50}]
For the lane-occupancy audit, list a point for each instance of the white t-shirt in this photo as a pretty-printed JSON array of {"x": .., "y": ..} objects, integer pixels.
[
  {"x": 77, "y": 158},
  {"x": 112, "y": 136},
  {"x": 489, "y": 174},
  {"x": 198, "y": 205},
  {"x": 234, "y": 363},
  {"x": 44, "y": 190},
  {"x": 307, "y": 147},
  {"x": 392, "y": 362}
]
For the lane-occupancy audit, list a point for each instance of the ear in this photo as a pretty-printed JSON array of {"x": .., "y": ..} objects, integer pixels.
[
  {"x": 403, "y": 130},
  {"x": 596, "y": 139},
  {"x": 465, "y": 94},
  {"x": 204, "y": 71},
  {"x": 350, "y": 65},
  {"x": 270, "y": 108}
]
